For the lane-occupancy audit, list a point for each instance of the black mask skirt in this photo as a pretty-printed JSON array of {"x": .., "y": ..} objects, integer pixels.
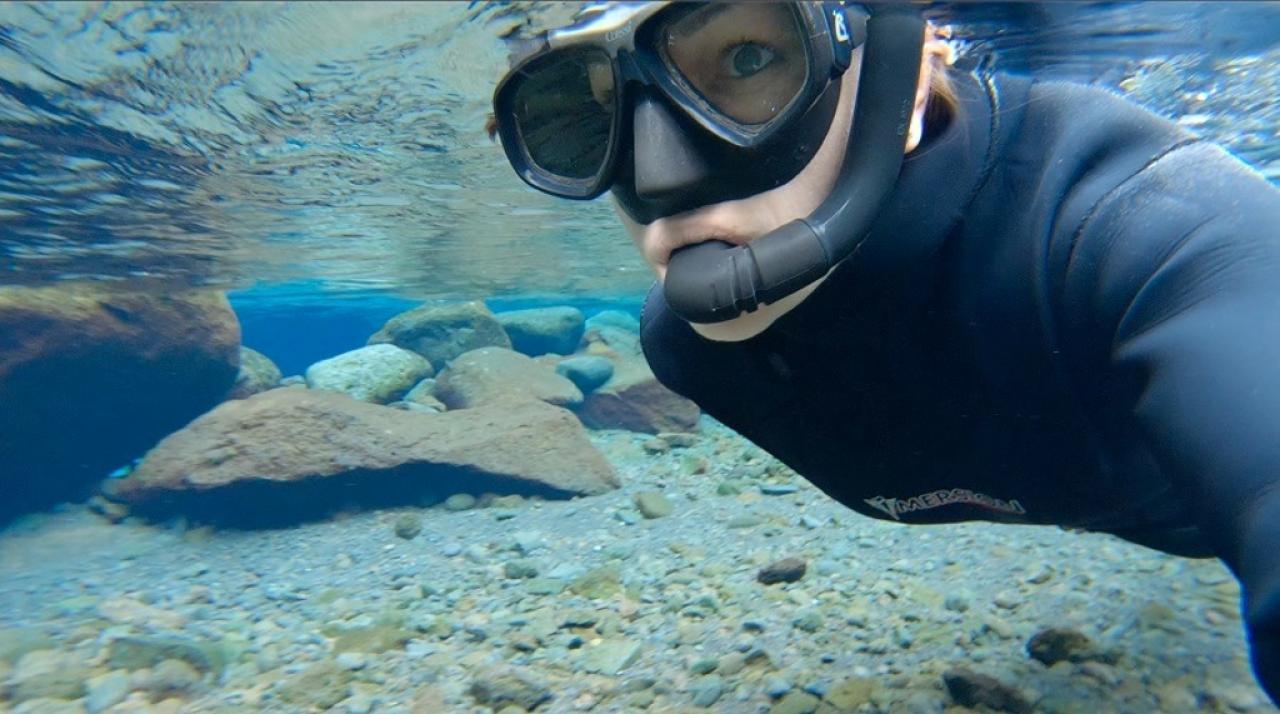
[{"x": 671, "y": 165}]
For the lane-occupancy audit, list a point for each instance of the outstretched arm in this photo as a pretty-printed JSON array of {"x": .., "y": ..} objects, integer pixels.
[{"x": 1181, "y": 265}]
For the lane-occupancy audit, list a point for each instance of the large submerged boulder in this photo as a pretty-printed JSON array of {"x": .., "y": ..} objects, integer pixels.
[
  {"x": 544, "y": 330},
  {"x": 377, "y": 373},
  {"x": 293, "y": 454},
  {"x": 442, "y": 332},
  {"x": 492, "y": 374},
  {"x": 91, "y": 378}
]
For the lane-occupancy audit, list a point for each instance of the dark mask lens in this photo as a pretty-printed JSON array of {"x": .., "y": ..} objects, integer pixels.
[
  {"x": 748, "y": 60},
  {"x": 564, "y": 111}
]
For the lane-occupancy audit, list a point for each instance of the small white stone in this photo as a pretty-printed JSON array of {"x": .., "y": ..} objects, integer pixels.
[{"x": 352, "y": 660}]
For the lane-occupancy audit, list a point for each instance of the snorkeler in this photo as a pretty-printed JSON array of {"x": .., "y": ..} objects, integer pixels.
[{"x": 937, "y": 296}]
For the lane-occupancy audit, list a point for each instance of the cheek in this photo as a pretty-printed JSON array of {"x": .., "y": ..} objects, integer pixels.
[{"x": 817, "y": 179}]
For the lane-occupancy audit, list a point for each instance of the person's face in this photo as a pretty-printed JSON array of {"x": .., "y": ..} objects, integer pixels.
[{"x": 743, "y": 220}]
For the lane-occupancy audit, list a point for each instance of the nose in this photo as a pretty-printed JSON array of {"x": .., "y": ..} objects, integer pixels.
[
  {"x": 669, "y": 172},
  {"x": 667, "y": 161}
]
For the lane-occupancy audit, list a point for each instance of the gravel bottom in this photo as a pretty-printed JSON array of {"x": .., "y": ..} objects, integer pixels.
[{"x": 646, "y": 599}]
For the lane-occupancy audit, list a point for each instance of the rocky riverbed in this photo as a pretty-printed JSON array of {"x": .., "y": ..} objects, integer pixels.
[{"x": 652, "y": 597}]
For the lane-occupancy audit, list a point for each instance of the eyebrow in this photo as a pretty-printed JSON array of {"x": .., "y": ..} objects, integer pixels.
[{"x": 700, "y": 17}]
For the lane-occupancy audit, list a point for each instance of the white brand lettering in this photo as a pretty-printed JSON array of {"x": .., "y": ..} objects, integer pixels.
[
  {"x": 842, "y": 32},
  {"x": 619, "y": 33},
  {"x": 897, "y": 506}
]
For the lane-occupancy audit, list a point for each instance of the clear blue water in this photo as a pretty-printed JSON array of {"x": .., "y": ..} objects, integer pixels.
[{"x": 326, "y": 166}]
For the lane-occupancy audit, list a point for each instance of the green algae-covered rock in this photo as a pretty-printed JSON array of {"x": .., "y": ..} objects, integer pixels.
[
  {"x": 408, "y": 526},
  {"x": 145, "y": 652},
  {"x": 372, "y": 640},
  {"x": 850, "y": 694},
  {"x": 543, "y": 330},
  {"x": 653, "y": 504},
  {"x": 795, "y": 702},
  {"x": 106, "y": 690},
  {"x": 599, "y": 584},
  {"x": 544, "y": 586},
  {"x": 460, "y": 502},
  {"x": 320, "y": 686},
  {"x": 501, "y": 688},
  {"x": 442, "y": 332}
]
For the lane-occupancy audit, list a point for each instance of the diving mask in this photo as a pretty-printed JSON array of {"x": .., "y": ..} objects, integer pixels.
[{"x": 743, "y": 74}]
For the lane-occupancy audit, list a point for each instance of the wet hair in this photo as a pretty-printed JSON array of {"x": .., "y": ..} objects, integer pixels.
[{"x": 944, "y": 103}]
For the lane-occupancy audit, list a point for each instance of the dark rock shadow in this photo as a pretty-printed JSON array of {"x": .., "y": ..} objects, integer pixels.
[{"x": 262, "y": 504}]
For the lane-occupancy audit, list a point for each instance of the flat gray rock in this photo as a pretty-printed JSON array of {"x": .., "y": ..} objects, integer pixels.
[{"x": 492, "y": 374}]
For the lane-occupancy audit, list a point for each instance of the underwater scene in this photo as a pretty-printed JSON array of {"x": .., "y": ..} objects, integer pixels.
[{"x": 308, "y": 403}]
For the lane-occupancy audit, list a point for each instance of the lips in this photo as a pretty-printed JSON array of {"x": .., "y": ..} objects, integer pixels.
[{"x": 660, "y": 241}]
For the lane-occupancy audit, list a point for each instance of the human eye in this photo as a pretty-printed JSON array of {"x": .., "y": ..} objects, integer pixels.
[{"x": 745, "y": 59}]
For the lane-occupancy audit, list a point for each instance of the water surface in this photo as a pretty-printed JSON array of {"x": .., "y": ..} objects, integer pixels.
[{"x": 338, "y": 148}]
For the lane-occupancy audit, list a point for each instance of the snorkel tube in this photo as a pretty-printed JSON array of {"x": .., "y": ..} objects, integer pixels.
[{"x": 715, "y": 281}]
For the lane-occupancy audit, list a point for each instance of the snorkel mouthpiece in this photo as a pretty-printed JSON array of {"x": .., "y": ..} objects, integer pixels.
[
  {"x": 714, "y": 281},
  {"x": 742, "y": 277}
]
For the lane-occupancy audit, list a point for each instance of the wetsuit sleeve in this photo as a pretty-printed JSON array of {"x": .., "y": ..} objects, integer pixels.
[{"x": 1178, "y": 272}]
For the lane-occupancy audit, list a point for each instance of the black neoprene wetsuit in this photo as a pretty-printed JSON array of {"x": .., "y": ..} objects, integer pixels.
[{"x": 1068, "y": 313}]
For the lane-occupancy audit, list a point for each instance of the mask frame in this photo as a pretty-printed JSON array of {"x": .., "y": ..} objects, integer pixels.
[{"x": 628, "y": 36}]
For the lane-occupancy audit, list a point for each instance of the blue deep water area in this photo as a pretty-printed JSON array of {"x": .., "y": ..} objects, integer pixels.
[{"x": 296, "y": 329}]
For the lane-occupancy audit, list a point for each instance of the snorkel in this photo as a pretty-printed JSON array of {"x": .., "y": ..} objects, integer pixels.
[{"x": 714, "y": 281}]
